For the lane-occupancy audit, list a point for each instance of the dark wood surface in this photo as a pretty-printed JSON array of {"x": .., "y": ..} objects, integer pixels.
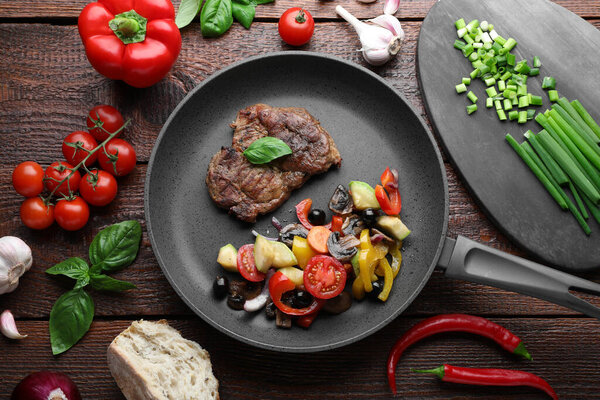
[{"x": 46, "y": 88}]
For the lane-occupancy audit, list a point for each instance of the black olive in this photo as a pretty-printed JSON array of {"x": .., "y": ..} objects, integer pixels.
[
  {"x": 302, "y": 299},
  {"x": 236, "y": 301},
  {"x": 317, "y": 217},
  {"x": 377, "y": 288},
  {"x": 220, "y": 287},
  {"x": 369, "y": 216},
  {"x": 270, "y": 310}
]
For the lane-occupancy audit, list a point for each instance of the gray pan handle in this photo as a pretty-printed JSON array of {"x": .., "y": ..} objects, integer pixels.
[{"x": 468, "y": 260}]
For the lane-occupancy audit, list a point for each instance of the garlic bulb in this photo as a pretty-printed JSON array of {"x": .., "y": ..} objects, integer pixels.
[
  {"x": 15, "y": 260},
  {"x": 381, "y": 39}
]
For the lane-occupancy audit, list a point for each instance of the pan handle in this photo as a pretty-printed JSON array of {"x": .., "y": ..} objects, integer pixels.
[{"x": 468, "y": 260}]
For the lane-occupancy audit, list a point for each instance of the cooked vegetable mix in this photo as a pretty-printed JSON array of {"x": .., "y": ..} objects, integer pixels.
[{"x": 308, "y": 266}]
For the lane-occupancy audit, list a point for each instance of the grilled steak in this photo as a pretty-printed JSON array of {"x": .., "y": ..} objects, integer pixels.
[{"x": 247, "y": 189}]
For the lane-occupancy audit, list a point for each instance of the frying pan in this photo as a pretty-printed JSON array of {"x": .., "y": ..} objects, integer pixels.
[{"x": 373, "y": 127}]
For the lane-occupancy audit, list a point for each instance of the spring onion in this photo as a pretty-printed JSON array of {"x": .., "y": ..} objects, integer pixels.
[
  {"x": 498, "y": 104},
  {"x": 509, "y": 94},
  {"x": 501, "y": 86},
  {"x": 548, "y": 83},
  {"x": 595, "y": 211},
  {"x": 510, "y": 58},
  {"x": 459, "y": 23},
  {"x": 522, "y": 117},
  {"x": 475, "y": 73},
  {"x": 523, "y": 102},
  {"x": 510, "y": 44},
  {"x": 564, "y": 103},
  {"x": 553, "y": 95},
  {"x": 512, "y": 115},
  {"x": 491, "y": 92},
  {"x": 534, "y": 157},
  {"x": 461, "y": 88},
  {"x": 489, "y": 102},
  {"x": 556, "y": 172},
  {"x": 578, "y": 201},
  {"x": 581, "y": 144},
  {"x": 507, "y": 104},
  {"x": 515, "y": 101},
  {"x": 590, "y": 138},
  {"x": 472, "y": 97},
  {"x": 585, "y": 115},
  {"x": 474, "y": 24},
  {"x": 501, "y": 114},
  {"x": 468, "y": 49},
  {"x": 534, "y": 72},
  {"x": 490, "y": 81},
  {"x": 471, "y": 108},
  {"x": 535, "y": 100},
  {"x": 536, "y": 62},
  {"x": 530, "y": 114},
  {"x": 522, "y": 91},
  {"x": 466, "y": 81},
  {"x": 484, "y": 26}
]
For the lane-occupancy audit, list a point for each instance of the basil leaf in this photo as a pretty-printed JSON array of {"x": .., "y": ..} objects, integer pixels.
[
  {"x": 266, "y": 149},
  {"x": 216, "y": 17},
  {"x": 243, "y": 11},
  {"x": 187, "y": 11},
  {"x": 105, "y": 282},
  {"x": 75, "y": 268},
  {"x": 70, "y": 319},
  {"x": 262, "y": 1},
  {"x": 115, "y": 247}
]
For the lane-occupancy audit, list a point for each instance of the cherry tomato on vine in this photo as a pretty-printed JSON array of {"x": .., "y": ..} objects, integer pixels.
[
  {"x": 72, "y": 214},
  {"x": 27, "y": 179},
  {"x": 73, "y": 148},
  {"x": 296, "y": 26},
  {"x": 56, "y": 172},
  {"x": 104, "y": 117},
  {"x": 98, "y": 188},
  {"x": 324, "y": 277},
  {"x": 35, "y": 214},
  {"x": 121, "y": 153}
]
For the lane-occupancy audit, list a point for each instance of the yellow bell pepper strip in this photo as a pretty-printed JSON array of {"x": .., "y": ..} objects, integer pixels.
[
  {"x": 358, "y": 288},
  {"x": 388, "y": 276},
  {"x": 365, "y": 240},
  {"x": 365, "y": 258},
  {"x": 381, "y": 249},
  {"x": 396, "y": 257},
  {"x": 302, "y": 251}
]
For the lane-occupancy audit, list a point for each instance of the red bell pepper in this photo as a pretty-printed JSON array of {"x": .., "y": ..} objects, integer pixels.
[
  {"x": 306, "y": 320},
  {"x": 390, "y": 202},
  {"x": 136, "y": 41},
  {"x": 280, "y": 284},
  {"x": 336, "y": 224},
  {"x": 302, "y": 210}
]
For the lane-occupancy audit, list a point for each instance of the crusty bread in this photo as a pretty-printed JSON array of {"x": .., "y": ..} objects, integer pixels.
[{"x": 152, "y": 361}]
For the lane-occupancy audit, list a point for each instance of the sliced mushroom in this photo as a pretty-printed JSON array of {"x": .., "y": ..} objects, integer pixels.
[
  {"x": 338, "y": 304},
  {"x": 248, "y": 290},
  {"x": 353, "y": 225},
  {"x": 286, "y": 235},
  {"x": 342, "y": 248},
  {"x": 341, "y": 201},
  {"x": 282, "y": 320}
]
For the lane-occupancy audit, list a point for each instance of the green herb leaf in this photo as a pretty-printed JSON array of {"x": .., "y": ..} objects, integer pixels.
[
  {"x": 115, "y": 247},
  {"x": 262, "y": 1},
  {"x": 243, "y": 11},
  {"x": 105, "y": 282},
  {"x": 187, "y": 11},
  {"x": 266, "y": 149},
  {"x": 70, "y": 319},
  {"x": 216, "y": 17},
  {"x": 75, "y": 268}
]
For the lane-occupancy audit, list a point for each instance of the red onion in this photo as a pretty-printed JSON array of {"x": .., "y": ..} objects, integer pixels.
[
  {"x": 276, "y": 224},
  {"x": 266, "y": 237},
  {"x": 46, "y": 385}
]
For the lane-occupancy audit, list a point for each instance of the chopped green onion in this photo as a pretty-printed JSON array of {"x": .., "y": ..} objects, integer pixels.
[
  {"x": 536, "y": 62},
  {"x": 473, "y": 56},
  {"x": 510, "y": 44},
  {"x": 522, "y": 117},
  {"x": 461, "y": 88},
  {"x": 485, "y": 38},
  {"x": 501, "y": 115},
  {"x": 472, "y": 97},
  {"x": 490, "y": 27},
  {"x": 548, "y": 83},
  {"x": 530, "y": 114},
  {"x": 515, "y": 101},
  {"x": 507, "y": 104},
  {"x": 461, "y": 33},
  {"x": 509, "y": 94},
  {"x": 491, "y": 91},
  {"x": 498, "y": 104},
  {"x": 489, "y": 102},
  {"x": 496, "y": 47},
  {"x": 484, "y": 26},
  {"x": 512, "y": 115},
  {"x": 477, "y": 64},
  {"x": 511, "y": 87},
  {"x": 534, "y": 71},
  {"x": 459, "y": 23},
  {"x": 471, "y": 108},
  {"x": 522, "y": 67},
  {"x": 585, "y": 115},
  {"x": 522, "y": 90},
  {"x": 467, "y": 50},
  {"x": 474, "y": 74},
  {"x": 510, "y": 58},
  {"x": 466, "y": 81},
  {"x": 487, "y": 46},
  {"x": 481, "y": 52},
  {"x": 553, "y": 95},
  {"x": 535, "y": 100},
  {"x": 467, "y": 38},
  {"x": 501, "y": 86},
  {"x": 484, "y": 69},
  {"x": 459, "y": 44},
  {"x": 490, "y": 81},
  {"x": 523, "y": 102},
  {"x": 474, "y": 24},
  {"x": 506, "y": 75},
  {"x": 501, "y": 41}
]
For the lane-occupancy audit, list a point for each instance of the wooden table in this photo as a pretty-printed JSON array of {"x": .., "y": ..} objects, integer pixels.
[{"x": 46, "y": 88}]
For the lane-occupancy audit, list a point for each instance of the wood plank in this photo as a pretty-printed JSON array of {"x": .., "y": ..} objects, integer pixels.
[
  {"x": 409, "y": 9},
  {"x": 562, "y": 352}
]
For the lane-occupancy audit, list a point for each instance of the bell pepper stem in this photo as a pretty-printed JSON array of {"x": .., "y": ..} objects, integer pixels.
[
  {"x": 439, "y": 371},
  {"x": 129, "y": 26}
]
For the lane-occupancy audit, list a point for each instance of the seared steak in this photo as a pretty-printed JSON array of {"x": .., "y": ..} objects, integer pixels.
[{"x": 247, "y": 189}]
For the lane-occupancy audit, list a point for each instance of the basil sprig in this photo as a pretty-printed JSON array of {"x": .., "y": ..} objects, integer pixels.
[
  {"x": 216, "y": 16},
  {"x": 113, "y": 249},
  {"x": 266, "y": 149}
]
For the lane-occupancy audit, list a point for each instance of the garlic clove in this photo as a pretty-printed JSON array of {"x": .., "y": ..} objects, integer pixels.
[
  {"x": 376, "y": 56},
  {"x": 366, "y": 1},
  {"x": 15, "y": 260},
  {"x": 8, "y": 327},
  {"x": 390, "y": 23},
  {"x": 390, "y": 7}
]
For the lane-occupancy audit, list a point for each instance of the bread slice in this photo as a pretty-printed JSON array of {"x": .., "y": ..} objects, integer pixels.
[{"x": 152, "y": 361}]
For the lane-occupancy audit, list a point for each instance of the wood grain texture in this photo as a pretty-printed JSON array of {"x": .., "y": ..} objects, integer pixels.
[
  {"x": 409, "y": 9},
  {"x": 560, "y": 348}
]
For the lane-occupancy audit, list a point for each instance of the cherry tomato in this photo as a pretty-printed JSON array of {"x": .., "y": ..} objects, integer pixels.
[
  {"x": 58, "y": 171},
  {"x": 246, "y": 266},
  {"x": 72, "y": 215},
  {"x": 76, "y": 155},
  {"x": 106, "y": 117},
  {"x": 324, "y": 277},
  {"x": 296, "y": 26},
  {"x": 98, "y": 188},
  {"x": 27, "y": 179},
  {"x": 123, "y": 155},
  {"x": 35, "y": 214}
]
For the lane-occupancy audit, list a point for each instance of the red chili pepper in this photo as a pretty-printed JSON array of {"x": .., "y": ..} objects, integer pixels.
[
  {"x": 490, "y": 376},
  {"x": 134, "y": 41},
  {"x": 452, "y": 323},
  {"x": 390, "y": 202},
  {"x": 302, "y": 210},
  {"x": 280, "y": 284}
]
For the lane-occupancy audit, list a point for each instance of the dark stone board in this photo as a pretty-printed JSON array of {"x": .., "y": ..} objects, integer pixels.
[{"x": 508, "y": 192}]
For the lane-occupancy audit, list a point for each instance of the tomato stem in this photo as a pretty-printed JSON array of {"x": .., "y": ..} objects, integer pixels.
[{"x": 301, "y": 17}]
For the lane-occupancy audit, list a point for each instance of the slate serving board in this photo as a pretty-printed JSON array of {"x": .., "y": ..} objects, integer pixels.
[{"x": 508, "y": 192}]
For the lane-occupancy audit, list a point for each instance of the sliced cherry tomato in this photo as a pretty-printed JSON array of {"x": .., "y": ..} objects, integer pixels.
[
  {"x": 77, "y": 145},
  {"x": 72, "y": 215},
  {"x": 35, "y": 214},
  {"x": 246, "y": 266},
  {"x": 120, "y": 159},
  {"x": 324, "y": 277},
  {"x": 104, "y": 118},
  {"x": 280, "y": 284},
  {"x": 296, "y": 26},
  {"x": 98, "y": 187},
  {"x": 27, "y": 179},
  {"x": 56, "y": 172},
  {"x": 302, "y": 210}
]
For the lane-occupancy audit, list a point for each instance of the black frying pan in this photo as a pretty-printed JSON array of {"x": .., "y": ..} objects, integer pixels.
[{"x": 373, "y": 127}]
